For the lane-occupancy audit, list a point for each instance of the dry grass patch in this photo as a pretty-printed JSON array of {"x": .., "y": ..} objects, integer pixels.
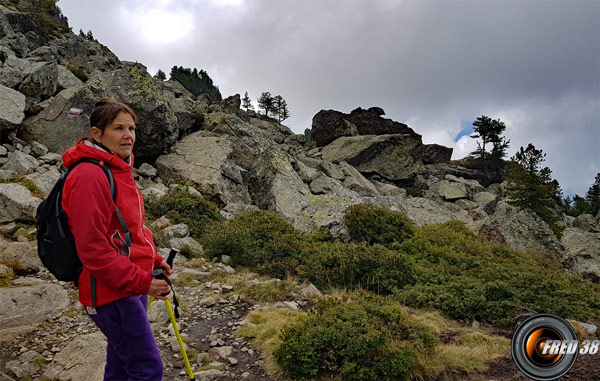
[
  {"x": 264, "y": 330},
  {"x": 461, "y": 349},
  {"x": 268, "y": 290}
]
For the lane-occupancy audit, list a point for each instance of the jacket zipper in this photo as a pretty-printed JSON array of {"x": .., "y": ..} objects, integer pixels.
[{"x": 137, "y": 192}]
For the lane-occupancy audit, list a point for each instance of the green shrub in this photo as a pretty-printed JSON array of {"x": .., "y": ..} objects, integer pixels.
[
  {"x": 415, "y": 192},
  {"x": 355, "y": 266},
  {"x": 467, "y": 277},
  {"x": 356, "y": 337},
  {"x": 78, "y": 72},
  {"x": 373, "y": 224},
  {"x": 257, "y": 239},
  {"x": 180, "y": 206}
]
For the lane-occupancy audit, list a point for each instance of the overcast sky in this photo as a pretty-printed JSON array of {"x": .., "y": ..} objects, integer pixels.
[{"x": 435, "y": 65}]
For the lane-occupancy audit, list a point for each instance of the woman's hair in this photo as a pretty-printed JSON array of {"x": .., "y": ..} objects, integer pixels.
[{"x": 106, "y": 110}]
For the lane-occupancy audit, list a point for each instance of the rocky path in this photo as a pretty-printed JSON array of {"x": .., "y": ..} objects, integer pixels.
[{"x": 68, "y": 346}]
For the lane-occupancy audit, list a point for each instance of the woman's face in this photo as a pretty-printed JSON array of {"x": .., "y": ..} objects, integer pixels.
[{"x": 118, "y": 136}]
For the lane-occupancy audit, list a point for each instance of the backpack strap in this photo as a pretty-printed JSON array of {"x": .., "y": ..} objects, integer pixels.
[{"x": 113, "y": 191}]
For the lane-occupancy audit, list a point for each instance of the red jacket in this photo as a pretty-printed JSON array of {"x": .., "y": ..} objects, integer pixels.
[{"x": 90, "y": 210}]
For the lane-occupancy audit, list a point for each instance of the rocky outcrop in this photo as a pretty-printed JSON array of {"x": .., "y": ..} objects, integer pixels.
[
  {"x": 583, "y": 252},
  {"x": 20, "y": 163},
  {"x": 83, "y": 358},
  {"x": 392, "y": 157},
  {"x": 521, "y": 230},
  {"x": 328, "y": 125},
  {"x": 22, "y": 257},
  {"x": 12, "y": 104},
  {"x": 17, "y": 203},
  {"x": 31, "y": 304},
  {"x": 161, "y": 117},
  {"x": 54, "y": 126},
  {"x": 276, "y": 186},
  {"x": 204, "y": 160}
]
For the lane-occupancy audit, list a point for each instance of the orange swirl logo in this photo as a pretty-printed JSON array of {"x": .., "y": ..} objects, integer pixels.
[{"x": 544, "y": 347}]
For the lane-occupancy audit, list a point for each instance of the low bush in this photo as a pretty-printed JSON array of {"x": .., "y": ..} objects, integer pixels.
[
  {"x": 467, "y": 277},
  {"x": 356, "y": 337},
  {"x": 78, "y": 72},
  {"x": 373, "y": 224},
  {"x": 181, "y": 206},
  {"x": 258, "y": 239},
  {"x": 352, "y": 266}
]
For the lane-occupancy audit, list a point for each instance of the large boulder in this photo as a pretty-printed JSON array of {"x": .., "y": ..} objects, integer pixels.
[
  {"x": 17, "y": 43},
  {"x": 324, "y": 184},
  {"x": 420, "y": 211},
  {"x": 17, "y": 203},
  {"x": 12, "y": 104},
  {"x": 203, "y": 159},
  {"x": 22, "y": 257},
  {"x": 20, "y": 163},
  {"x": 40, "y": 82},
  {"x": 323, "y": 211},
  {"x": 45, "y": 181},
  {"x": 435, "y": 153},
  {"x": 583, "y": 251},
  {"x": 449, "y": 190},
  {"x": 484, "y": 176},
  {"x": 26, "y": 305},
  {"x": 355, "y": 181},
  {"x": 328, "y": 125},
  {"x": 82, "y": 359},
  {"x": 276, "y": 186},
  {"x": 587, "y": 222},
  {"x": 87, "y": 55},
  {"x": 521, "y": 229},
  {"x": 5, "y": 28},
  {"x": 393, "y": 157},
  {"x": 161, "y": 118},
  {"x": 486, "y": 200},
  {"x": 67, "y": 79},
  {"x": 14, "y": 69},
  {"x": 55, "y": 126}
]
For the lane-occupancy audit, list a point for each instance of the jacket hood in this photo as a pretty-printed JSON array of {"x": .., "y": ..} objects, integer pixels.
[{"x": 87, "y": 149}]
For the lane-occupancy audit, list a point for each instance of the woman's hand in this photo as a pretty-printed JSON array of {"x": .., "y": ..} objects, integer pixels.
[
  {"x": 158, "y": 287},
  {"x": 168, "y": 271}
]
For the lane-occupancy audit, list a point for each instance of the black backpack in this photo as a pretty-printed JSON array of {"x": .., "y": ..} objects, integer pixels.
[{"x": 56, "y": 245}]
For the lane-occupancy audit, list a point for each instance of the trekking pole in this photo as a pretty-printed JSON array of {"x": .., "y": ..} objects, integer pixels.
[{"x": 158, "y": 274}]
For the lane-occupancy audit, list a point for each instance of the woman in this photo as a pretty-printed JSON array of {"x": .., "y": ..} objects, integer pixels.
[{"x": 116, "y": 279}]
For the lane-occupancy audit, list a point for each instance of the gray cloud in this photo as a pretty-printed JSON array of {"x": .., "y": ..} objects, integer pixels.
[{"x": 535, "y": 65}]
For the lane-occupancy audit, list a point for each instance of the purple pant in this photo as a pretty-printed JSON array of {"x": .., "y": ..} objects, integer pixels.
[{"x": 131, "y": 353}]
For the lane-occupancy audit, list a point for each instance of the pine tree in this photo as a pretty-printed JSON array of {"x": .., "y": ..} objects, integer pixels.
[
  {"x": 266, "y": 103},
  {"x": 593, "y": 196},
  {"x": 490, "y": 132},
  {"x": 82, "y": 34},
  {"x": 161, "y": 75},
  {"x": 247, "y": 102},
  {"x": 530, "y": 186},
  {"x": 577, "y": 205},
  {"x": 196, "y": 82},
  {"x": 281, "y": 110},
  {"x": 89, "y": 35}
]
